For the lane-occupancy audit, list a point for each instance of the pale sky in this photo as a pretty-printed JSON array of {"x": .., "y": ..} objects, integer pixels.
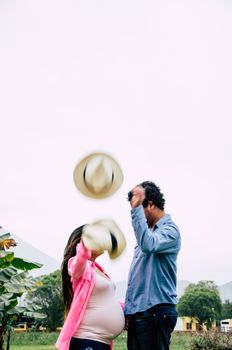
[{"x": 150, "y": 83}]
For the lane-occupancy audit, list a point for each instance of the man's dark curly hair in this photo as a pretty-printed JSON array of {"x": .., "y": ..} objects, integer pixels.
[{"x": 153, "y": 194}]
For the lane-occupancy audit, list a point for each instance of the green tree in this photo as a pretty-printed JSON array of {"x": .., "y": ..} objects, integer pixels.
[
  {"x": 202, "y": 302},
  {"x": 49, "y": 295},
  {"x": 226, "y": 310},
  {"x": 14, "y": 283}
]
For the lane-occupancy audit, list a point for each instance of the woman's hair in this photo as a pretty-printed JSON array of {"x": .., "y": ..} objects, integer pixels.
[{"x": 70, "y": 250}]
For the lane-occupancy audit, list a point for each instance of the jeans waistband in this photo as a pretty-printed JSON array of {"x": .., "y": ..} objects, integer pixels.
[{"x": 152, "y": 310}]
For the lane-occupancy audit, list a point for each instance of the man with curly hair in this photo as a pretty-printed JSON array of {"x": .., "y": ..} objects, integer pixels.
[{"x": 150, "y": 305}]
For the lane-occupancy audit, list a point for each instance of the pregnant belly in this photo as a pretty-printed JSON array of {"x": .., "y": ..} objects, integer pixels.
[{"x": 102, "y": 322}]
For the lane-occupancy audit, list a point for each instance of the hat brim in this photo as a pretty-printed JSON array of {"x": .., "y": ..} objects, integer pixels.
[
  {"x": 118, "y": 235},
  {"x": 98, "y": 237},
  {"x": 79, "y": 177}
]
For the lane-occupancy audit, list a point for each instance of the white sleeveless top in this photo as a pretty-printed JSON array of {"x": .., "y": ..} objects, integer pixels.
[{"x": 104, "y": 318}]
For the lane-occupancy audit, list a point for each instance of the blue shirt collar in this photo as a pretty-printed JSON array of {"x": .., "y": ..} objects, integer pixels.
[{"x": 163, "y": 220}]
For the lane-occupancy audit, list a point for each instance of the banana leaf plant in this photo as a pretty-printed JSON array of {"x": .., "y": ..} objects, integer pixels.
[{"x": 15, "y": 283}]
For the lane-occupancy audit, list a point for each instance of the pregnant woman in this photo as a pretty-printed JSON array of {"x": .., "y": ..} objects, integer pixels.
[{"x": 93, "y": 315}]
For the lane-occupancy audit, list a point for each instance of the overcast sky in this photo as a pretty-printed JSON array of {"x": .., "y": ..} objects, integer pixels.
[{"x": 150, "y": 83}]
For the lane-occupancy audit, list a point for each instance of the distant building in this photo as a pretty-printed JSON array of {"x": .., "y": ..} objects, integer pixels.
[
  {"x": 189, "y": 324},
  {"x": 226, "y": 325}
]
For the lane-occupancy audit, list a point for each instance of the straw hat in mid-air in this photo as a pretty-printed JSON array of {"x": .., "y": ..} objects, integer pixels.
[
  {"x": 104, "y": 235},
  {"x": 98, "y": 175}
]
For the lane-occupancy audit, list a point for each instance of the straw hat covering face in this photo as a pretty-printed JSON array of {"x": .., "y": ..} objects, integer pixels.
[
  {"x": 104, "y": 235},
  {"x": 98, "y": 175}
]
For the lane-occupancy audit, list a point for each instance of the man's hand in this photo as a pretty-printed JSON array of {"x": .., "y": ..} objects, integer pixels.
[{"x": 138, "y": 196}]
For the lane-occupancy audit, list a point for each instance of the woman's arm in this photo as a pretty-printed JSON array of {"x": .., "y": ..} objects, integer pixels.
[{"x": 76, "y": 264}]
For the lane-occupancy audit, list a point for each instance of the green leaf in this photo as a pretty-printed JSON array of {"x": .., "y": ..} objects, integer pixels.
[
  {"x": 7, "y": 305},
  {"x": 5, "y": 258},
  {"x": 16, "y": 310},
  {"x": 2, "y": 290},
  {"x": 7, "y": 273},
  {"x": 23, "y": 264},
  {"x": 6, "y": 296},
  {"x": 33, "y": 307},
  {"x": 20, "y": 277},
  {"x": 18, "y": 288},
  {"x": 35, "y": 315}
]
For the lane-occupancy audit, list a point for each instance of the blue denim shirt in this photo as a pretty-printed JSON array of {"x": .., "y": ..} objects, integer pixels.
[{"x": 152, "y": 275}]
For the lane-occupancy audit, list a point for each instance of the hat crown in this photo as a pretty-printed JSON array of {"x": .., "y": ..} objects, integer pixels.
[{"x": 98, "y": 175}]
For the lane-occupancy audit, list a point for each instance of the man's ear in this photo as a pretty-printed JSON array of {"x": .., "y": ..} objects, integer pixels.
[{"x": 151, "y": 204}]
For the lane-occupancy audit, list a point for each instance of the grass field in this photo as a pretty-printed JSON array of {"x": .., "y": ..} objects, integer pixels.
[
  {"x": 46, "y": 341},
  {"x": 32, "y": 347}
]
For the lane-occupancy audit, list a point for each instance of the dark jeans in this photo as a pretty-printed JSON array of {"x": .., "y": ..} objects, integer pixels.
[
  {"x": 151, "y": 329},
  {"x": 87, "y": 344}
]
